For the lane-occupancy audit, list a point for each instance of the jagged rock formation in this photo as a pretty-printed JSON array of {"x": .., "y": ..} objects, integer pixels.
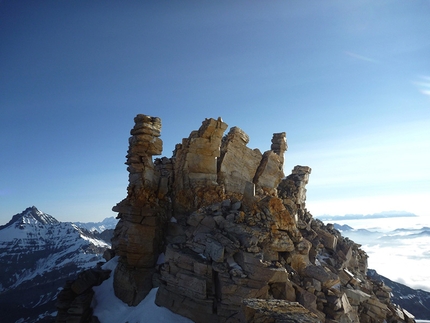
[
  {"x": 205, "y": 168},
  {"x": 239, "y": 244},
  {"x": 138, "y": 236},
  {"x": 195, "y": 167}
]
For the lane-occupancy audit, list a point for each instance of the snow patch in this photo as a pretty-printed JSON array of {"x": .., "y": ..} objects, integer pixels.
[{"x": 109, "y": 309}]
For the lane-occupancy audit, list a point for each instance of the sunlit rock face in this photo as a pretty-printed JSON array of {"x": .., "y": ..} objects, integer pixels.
[
  {"x": 236, "y": 235},
  {"x": 238, "y": 164},
  {"x": 195, "y": 168}
]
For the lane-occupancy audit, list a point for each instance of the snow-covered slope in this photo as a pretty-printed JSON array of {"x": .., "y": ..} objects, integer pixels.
[
  {"x": 109, "y": 309},
  {"x": 37, "y": 255}
]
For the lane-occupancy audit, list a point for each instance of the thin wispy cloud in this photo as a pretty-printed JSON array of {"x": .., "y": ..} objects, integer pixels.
[
  {"x": 425, "y": 92},
  {"x": 423, "y": 85},
  {"x": 361, "y": 57}
]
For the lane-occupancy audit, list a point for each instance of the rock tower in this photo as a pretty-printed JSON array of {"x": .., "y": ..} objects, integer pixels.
[{"x": 226, "y": 237}]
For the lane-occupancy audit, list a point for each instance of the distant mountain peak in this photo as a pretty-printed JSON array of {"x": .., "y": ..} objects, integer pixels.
[
  {"x": 38, "y": 254},
  {"x": 41, "y": 217},
  {"x": 344, "y": 227},
  {"x": 107, "y": 223},
  {"x": 32, "y": 216}
]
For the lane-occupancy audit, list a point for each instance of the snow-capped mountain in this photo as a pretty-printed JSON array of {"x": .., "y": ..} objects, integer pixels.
[
  {"x": 102, "y": 230},
  {"x": 37, "y": 255},
  {"x": 107, "y": 224}
]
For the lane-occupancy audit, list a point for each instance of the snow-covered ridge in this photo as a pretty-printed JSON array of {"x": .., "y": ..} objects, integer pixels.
[{"x": 37, "y": 230}]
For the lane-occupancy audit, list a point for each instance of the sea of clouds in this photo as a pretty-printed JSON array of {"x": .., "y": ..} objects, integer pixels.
[{"x": 398, "y": 246}]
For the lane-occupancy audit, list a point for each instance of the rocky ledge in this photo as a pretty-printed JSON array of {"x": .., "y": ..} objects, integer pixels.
[{"x": 227, "y": 237}]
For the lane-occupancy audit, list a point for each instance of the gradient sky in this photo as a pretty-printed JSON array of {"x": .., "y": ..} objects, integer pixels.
[{"x": 348, "y": 81}]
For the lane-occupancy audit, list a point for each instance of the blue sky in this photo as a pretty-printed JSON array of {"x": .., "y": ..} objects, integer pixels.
[{"x": 349, "y": 82}]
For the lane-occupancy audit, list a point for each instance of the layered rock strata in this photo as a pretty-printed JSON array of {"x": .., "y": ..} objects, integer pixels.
[
  {"x": 138, "y": 236},
  {"x": 237, "y": 241}
]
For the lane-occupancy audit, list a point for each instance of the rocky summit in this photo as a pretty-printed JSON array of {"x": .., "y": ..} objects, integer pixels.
[{"x": 226, "y": 237}]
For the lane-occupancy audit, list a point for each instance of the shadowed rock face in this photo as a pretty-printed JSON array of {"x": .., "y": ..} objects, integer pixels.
[{"x": 239, "y": 243}]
